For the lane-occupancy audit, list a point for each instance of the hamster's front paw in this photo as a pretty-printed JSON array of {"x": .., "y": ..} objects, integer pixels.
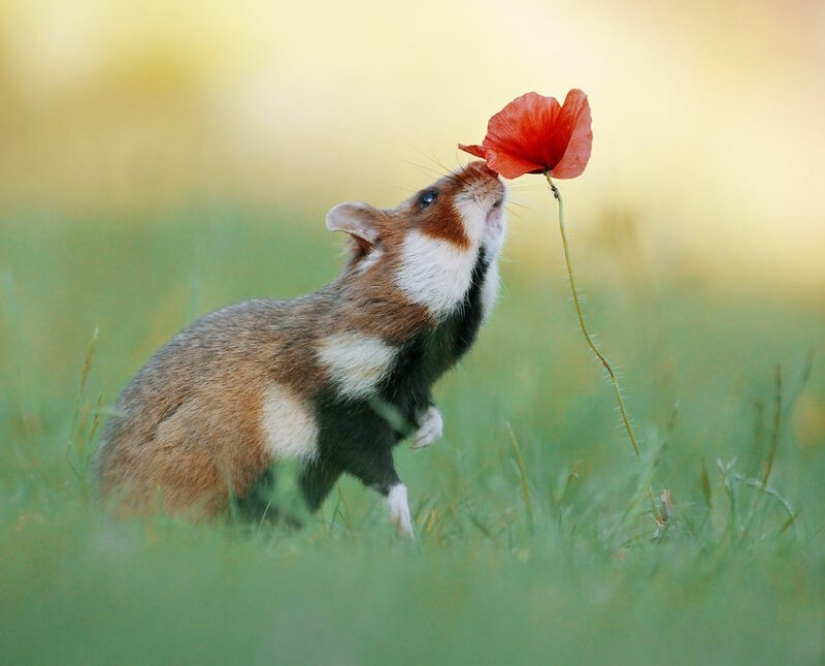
[{"x": 430, "y": 429}]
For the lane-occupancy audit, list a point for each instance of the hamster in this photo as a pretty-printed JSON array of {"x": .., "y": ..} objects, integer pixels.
[{"x": 335, "y": 379}]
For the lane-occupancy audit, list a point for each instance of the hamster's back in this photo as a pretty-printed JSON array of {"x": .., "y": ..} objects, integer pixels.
[{"x": 190, "y": 422}]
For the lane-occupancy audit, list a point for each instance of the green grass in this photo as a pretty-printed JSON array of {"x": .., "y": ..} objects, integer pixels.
[{"x": 538, "y": 541}]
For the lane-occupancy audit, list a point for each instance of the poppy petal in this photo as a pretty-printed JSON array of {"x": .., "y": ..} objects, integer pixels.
[
  {"x": 478, "y": 151},
  {"x": 511, "y": 166},
  {"x": 575, "y": 114},
  {"x": 536, "y": 134},
  {"x": 524, "y": 129}
]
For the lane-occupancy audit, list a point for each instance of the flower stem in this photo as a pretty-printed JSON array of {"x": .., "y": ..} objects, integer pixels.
[{"x": 610, "y": 373}]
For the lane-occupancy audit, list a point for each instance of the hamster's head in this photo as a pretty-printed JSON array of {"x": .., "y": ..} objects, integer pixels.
[{"x": 431, "y": 245}]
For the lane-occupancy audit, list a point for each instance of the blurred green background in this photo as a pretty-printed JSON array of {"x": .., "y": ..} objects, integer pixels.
[
  {"x": 158, "y": 161},
  {"x": 707, "y": 116}
]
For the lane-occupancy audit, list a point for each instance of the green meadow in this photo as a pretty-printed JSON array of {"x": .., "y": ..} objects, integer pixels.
[{"x": 543, "y": 539}]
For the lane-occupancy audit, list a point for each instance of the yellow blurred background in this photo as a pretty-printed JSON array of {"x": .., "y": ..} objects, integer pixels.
[{"x": 709, "y": 117}]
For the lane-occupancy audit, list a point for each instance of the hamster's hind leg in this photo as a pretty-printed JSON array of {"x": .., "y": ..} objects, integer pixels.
[
  {"x": 317, "y": 479},
  {"x": 376, "y": 469},
  {"x": 399, "y": 509}
]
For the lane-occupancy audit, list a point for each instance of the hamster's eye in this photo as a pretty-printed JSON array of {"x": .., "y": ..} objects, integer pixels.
[{"x": 426, "y": 198}]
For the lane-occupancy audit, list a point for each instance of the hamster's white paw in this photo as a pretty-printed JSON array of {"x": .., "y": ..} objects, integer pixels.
[
  {"x": 430, "y": 429},
  {"x": 400, "y": 510}
]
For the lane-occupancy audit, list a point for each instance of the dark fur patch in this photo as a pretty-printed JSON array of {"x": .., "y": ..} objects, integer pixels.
[{"x": 357, "y": 436}]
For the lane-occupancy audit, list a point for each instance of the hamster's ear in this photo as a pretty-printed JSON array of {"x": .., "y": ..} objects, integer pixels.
[{"x": 358, "y": 220}]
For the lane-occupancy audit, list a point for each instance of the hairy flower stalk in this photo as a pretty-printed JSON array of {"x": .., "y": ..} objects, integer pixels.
[
  {"x": 535, "y": 134},
  {"x": 580, "y": 315}
]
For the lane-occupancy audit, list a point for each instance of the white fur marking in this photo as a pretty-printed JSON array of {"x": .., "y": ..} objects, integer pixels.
[
  {"x": 473, "y": 215},
  {"x": 489, "y": 290},
  {"x": 355, "y": 362},
  {"x": 494, "y": 231},
  {"x": 434, "y": 272},
  {"x": 370, "y": 260},
  {"x": 290, "y": 429},
  {"x": 483, "y": 220},
  {"x": 400, "y": 510},
  {"x": 431, "y": 429}
]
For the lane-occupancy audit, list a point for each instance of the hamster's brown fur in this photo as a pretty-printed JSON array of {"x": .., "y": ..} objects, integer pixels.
[{"x": 190, "y": 431}]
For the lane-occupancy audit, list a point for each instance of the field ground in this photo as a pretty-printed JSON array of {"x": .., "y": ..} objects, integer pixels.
[{"x": 538, "y": 534}]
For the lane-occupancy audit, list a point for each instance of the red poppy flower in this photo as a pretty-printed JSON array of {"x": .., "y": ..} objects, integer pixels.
[{"x": 535, "y": 134}]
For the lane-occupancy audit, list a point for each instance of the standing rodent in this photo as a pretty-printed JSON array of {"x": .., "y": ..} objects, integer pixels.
[{"x": 335, "y": 379}]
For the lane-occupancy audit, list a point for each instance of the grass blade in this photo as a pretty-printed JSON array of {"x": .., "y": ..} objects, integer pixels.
[{"x": 522, "y": 471}]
